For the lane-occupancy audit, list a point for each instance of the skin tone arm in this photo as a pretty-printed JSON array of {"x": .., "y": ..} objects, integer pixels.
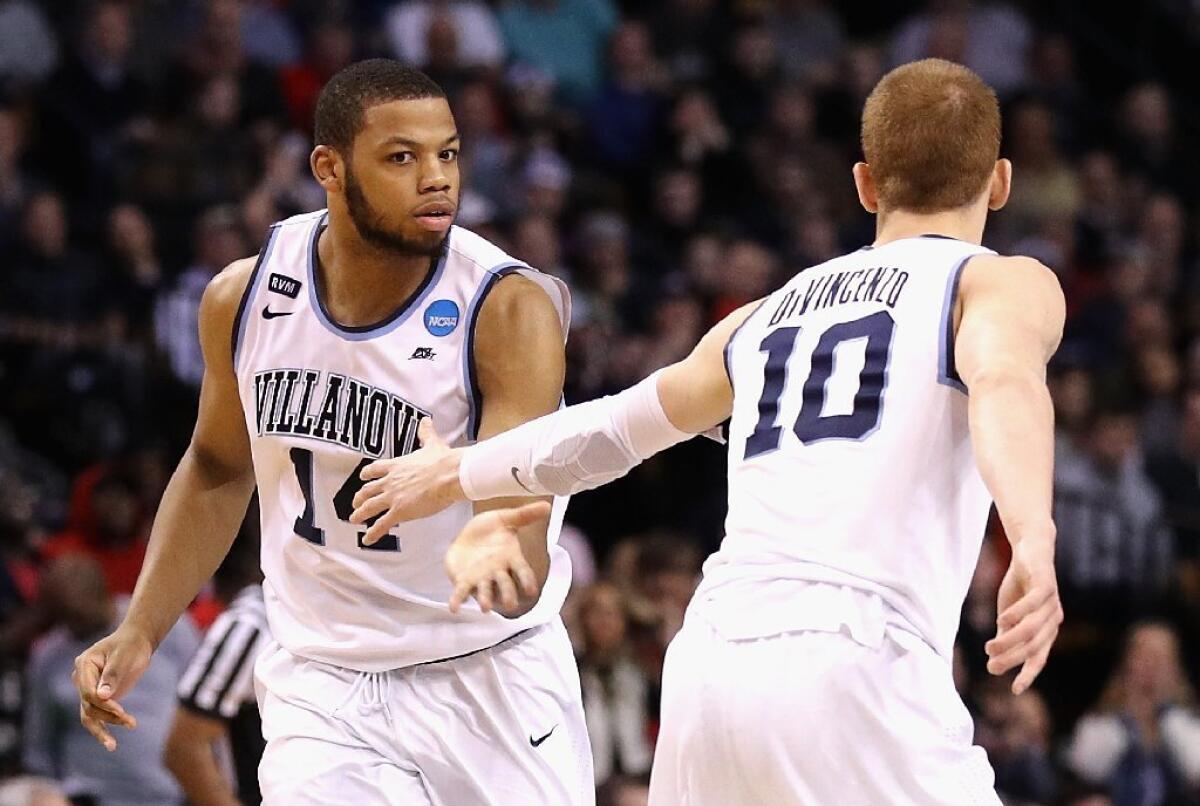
[
  {"x": 196, "y": 522},
  {"x": 521, "y": 363},
  {"x": 189, "y": 756},
  {"x": 1010, "y": 323}
]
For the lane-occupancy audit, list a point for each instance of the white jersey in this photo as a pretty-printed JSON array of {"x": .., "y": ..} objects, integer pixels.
[
  {"x": 850, "y": 460},
  {"x": 321, "y": 401}
]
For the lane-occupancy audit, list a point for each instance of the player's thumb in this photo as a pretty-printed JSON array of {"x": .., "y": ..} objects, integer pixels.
[
  {"x": 530, "y": 513},
  {"x": 428, "y": 435},
  {"x": 112, "y": 676}
]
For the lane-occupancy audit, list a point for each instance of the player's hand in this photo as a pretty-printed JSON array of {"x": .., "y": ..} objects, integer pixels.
[
  {"x": 103, "y": 674},
  {"x": 1029, "y": 614},
  {"x": 418, "y": 485},
  {"x": 485, "y": 560}
]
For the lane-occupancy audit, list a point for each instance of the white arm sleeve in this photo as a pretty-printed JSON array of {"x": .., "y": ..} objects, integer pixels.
[{"x": 573, "y": 449}]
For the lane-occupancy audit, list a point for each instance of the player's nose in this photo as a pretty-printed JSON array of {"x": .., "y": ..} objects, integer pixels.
[{"x": 434, "y": 178}]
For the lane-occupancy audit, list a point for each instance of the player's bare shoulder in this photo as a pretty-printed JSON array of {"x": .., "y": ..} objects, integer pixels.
[
  {"x": 517, "y": 303},
  {"x": 1015, "y": 276},
  {"x": 219, "y": 306},
  {"x": 1006, "y": 301}
]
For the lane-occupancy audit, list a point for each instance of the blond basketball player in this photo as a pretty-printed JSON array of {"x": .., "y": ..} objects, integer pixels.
[
  {"x": 880, "y": 402},
  {"x": 355, "y": 324}
]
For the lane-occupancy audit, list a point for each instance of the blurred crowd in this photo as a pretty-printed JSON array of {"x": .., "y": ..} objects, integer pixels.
[{"x": 671, "y": 161}]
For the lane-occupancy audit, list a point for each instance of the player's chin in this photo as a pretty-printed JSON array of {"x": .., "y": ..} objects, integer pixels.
[{"x": 426, "y": 242}]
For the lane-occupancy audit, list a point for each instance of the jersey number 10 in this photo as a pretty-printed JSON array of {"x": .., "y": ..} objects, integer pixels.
[{"x": 811, "y": 426}]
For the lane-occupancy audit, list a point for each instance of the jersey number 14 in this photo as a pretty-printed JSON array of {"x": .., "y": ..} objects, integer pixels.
[
  {"x": 811, "y": 425},
  {"x": 343, "y": 503}
]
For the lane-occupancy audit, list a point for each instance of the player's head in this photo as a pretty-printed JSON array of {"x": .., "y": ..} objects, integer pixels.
[
  {"x": 931, "y": 140},
  {"x": 387, "y": 152}
]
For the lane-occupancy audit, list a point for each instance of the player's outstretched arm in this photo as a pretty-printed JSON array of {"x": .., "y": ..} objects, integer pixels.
[
  {"x": 197, "y": 520},
  {"x": 1012, "y": 313},
  {"x": 574, "y": 449}
]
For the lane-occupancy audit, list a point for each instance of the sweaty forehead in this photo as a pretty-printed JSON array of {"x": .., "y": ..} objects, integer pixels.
[{"x": 424, "y": 121}]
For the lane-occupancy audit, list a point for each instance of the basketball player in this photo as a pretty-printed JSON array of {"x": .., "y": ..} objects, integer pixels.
[
  {"x": 879, "y": 403},
  {"x": 352, "y": 326}
]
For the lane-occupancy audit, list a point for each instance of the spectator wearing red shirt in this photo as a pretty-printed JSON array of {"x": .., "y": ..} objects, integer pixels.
[{"x": 106, "y": 522}]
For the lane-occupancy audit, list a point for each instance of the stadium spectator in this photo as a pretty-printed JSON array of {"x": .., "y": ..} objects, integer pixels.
[
  {"x": 1142, "y": 740},
  {"x": 28, "y": 46},
  {"x": 107, "y": 524},
  {"x": 472, "y": 24},
  {"x": 218, "y": 241},
  {"x": 564, "y": 38},
  {"x": 615, "y": 692},
  {"x": 56, "y": 745}
]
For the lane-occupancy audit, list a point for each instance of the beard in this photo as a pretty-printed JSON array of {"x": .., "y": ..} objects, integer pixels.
[{"x": 372, "y": 229}]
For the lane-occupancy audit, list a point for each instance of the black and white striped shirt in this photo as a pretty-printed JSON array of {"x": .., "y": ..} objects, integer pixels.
[{"x": 220, "y": 678}]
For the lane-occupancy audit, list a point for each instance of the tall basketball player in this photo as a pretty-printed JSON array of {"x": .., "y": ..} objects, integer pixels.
[
  {"x": 879, "y": 403},
  {"x": 353, "y": 325}
]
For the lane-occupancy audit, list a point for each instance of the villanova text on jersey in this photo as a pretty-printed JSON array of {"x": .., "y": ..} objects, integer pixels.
[{"x": 336, "y": 409}]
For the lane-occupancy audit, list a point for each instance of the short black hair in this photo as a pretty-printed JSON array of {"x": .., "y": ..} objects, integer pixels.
[{"x": 356, "y": 88}]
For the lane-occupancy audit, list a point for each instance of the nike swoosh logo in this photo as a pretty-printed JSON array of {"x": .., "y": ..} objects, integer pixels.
[
  {"x": 536, "y": 742},
  {"x": 517, "y": 479},
  {"x": 270, "y": 314}
]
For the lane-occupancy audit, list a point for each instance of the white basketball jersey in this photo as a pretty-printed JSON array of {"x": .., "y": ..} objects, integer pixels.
[
  {"x": 849, "y": 456},
  {"x": 321, "y": 401}
]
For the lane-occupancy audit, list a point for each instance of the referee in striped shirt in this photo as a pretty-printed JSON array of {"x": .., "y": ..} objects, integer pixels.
[{"x": 216, "y": 740}]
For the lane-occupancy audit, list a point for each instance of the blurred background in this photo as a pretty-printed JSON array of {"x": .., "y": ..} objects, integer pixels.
[{"x": 671, "y": 161}]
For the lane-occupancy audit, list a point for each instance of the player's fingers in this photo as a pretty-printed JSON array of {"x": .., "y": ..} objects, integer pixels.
[
  {"x": 97, "y": 729},
  {"x": 376, "y": 470},
  {"x": 380, "y": 527},
  {"x": 525, "y": 577},
  {"x": 1031, "y": 601},
  {"x": 102, "y": 714},
  {"x": 483, "y": 595},
  {"x": 109, "y": 711},
  {"x": 1033, "y": 667},
  {"x": 367, "y": 492},
  {"x": 506, "y": 591},
  {"x": 525, "y": 515},
  {"x": 87, "y": 673},
  {"x": 427, "y": 434},
  {"x": 1017, "y": 635},
  {"x": 370, "y": 508},
  {"x": 1041, "y": 621},
  {"x": 462, "y": 592}
]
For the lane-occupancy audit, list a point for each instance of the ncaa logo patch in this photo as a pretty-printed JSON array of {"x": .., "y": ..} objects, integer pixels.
[{"x": 441, "y": 317}]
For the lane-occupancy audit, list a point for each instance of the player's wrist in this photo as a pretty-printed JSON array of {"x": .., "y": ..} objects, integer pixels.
[
  {"x": 135, "y": 630},
  {"x": 449, "y": 474}
]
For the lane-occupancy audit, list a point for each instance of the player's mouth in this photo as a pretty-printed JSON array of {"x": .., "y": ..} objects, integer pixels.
[{"x": 435, "y": 216}]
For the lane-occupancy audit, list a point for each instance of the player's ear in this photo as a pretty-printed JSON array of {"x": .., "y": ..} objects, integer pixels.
[
  {"x": 327, "y": 168},
  {"x": 1000, "y": 185},
  {"x": 864, "y": 183}
]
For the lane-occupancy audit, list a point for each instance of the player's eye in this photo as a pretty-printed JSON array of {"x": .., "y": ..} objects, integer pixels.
[
  {"x": 449, "y": 155},
  {"x": 402, "y": 157}
]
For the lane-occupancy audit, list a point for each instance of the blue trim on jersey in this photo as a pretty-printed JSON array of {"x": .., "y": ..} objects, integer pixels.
[
  {"x": 393, "y": 320},
  {"x": 947, "y": 374},
  {"x": 726, "y": 353},
  {"x": 239, "y": 319},
  {"x": 474, "y": 395}
]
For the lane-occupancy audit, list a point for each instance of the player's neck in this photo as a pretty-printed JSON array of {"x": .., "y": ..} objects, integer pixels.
[
  {"x": 964, "y": 225},
  {"x": 361, "y": 284}
]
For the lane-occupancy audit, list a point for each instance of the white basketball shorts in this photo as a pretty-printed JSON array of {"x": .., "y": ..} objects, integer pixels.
[
  {"x": 500, "y": 726},
  {"x": 813, "y": 718}
]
